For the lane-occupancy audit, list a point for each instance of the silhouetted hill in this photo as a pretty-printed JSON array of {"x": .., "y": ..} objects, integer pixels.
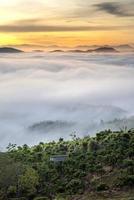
[
  {"x": 9, "y": 50},
  {"x": 105, "y": 50},
  {"x": 125, "y": 46},
  {"x": 77, "y": 51},
  {"x": 47, "y": 126},
  {"x": 57, "y": 51}
]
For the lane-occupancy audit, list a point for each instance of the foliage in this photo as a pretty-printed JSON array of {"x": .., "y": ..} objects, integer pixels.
[
  {"x": 104, "y": 162},
  {"x": 102, "y": 187}
]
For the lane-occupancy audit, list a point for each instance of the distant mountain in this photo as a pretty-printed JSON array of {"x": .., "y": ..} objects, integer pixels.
[
  {"x": 77, "y": 122},
  {"x": 93, "y": 112},
  {"x": 120, "y": 123},
  {"x": 9, "y": 50},
  {"x": 77, "y": 51},
  {"x": 47, "y": 126},
  {"x": 57, "y": 51},
  {"x": 125, "y": 48},
  {"x": 95, "y": 49},
  {"x": 105, "y": 49}
]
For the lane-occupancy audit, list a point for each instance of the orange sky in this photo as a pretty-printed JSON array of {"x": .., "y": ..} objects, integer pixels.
[{"x": 66, "y": 22}]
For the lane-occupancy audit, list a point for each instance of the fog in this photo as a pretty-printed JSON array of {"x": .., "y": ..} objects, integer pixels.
[{"x": 44, "y": 96}]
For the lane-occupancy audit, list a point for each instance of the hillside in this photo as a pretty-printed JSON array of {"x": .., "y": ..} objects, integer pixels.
[
  {"x": 105, "y": 50},
  {"x": 47, "y": 126},
  {"x": 9, "y": 50},
  {"x": 95, "y": 168}
]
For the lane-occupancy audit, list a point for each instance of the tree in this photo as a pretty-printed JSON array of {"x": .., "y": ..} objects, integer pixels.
[{"x": 28, "y": 182}]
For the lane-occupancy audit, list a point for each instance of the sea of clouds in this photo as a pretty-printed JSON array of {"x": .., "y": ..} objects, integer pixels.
[{"x": 78, "y": 90}]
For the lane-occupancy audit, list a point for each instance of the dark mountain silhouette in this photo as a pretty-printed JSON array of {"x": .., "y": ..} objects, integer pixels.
[
  {"x": 104, "y": 50},
  {"x": 57, "y": 51},
  {"x": 125, "y": 46},
  {"x": 77, "y": 51},
  {"x": 9, "y": 50},
  {"x": 51, "y": 125}
]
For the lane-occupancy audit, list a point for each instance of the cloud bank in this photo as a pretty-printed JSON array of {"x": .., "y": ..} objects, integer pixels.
[
  {"x": 120, "y": 9},
  {"x": 37, "y": 89},
  {"x": 25, "y": 27}
]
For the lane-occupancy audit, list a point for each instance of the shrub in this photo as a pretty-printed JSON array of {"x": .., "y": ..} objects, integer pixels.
[
  {"x": 126, "y": 180},
  {"x": 20, "y": 198},
  {"x": 102, "y": 187},
  {"x": 74, "y": 186},
  {"x": 40, "y": 198},
  {"x": 11, "y": 191}
]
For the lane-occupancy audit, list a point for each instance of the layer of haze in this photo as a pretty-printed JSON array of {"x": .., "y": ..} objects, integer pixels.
[{"x": 78, "y": 88}]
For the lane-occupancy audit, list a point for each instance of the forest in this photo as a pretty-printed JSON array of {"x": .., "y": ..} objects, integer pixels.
[{"x": 100, "y": 167}]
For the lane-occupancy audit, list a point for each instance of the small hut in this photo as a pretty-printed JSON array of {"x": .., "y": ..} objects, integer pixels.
[{"x": 58, "y": 158}]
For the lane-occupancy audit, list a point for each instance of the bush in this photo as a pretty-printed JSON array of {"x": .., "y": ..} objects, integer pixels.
[
  {"x": 11, "y": 191},
  {"x": 20, "y": 198},
  {"x": 127, "y": 180},
  {"x": 74, "y": 186},
  {"x": 131, "y": 198},
  {"x": 61, "y": 197},
  {"x": 102, "y": 187},
  {"x": 40, "y": 198}
]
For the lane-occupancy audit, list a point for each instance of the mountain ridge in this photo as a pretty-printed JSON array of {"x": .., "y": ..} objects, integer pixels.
[{"x": 10, "y": 50}]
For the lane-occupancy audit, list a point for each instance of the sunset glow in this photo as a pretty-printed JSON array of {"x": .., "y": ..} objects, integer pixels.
[{"x": 66, "y": 23}]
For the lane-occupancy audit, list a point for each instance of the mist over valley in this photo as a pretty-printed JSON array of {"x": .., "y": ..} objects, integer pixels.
[{"x": 44, "y": 96}]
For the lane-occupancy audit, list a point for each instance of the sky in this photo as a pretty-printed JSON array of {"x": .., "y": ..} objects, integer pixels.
[{"x": 66, "y": 22}]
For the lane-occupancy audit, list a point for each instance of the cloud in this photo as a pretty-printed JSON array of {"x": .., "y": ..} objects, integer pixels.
[
  {"x": 29, "y": 21},
  {"x": 79, "y": 88},
  {"x": 37, "y": 25},
  {"x": 115, "y": 8}
]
